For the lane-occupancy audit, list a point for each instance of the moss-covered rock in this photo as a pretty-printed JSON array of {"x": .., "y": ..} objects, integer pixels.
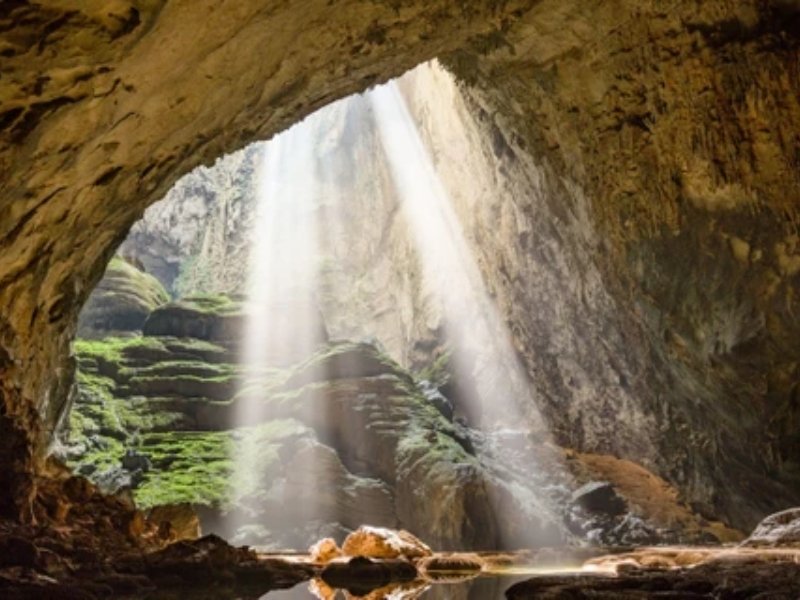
[
  {"x": 283, "y": 456},
  {"x": 121, "y": 301},
  {"x": 222, "y": 319},
  {"x": 213, "y": 318}
]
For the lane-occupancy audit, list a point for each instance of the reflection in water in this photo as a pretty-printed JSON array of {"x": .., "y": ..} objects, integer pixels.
[{"x": 478, "y": 588}]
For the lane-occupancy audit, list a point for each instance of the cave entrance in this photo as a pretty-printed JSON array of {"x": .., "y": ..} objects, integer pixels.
[{"x": 298, "y": 340}]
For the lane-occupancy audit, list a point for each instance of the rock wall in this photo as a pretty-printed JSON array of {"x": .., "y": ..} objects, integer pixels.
[
  {"x": 669, "y": 128},
  {"x": 200, "y": 237},
  {"x": 338, "y": 438}
]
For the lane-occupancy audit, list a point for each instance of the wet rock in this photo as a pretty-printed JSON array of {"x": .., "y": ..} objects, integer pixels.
[
  {"x": 779, "y": 529},
  {"x": 599, "y": 497},
  {"x": 378, "y": 542},
  {"x": 634, "y": 531},
  {"x": 672, "y": 574},
  {"x": 114, "y": 480},
  {"x": 135, "y": 461},
  {"x": 324, "y": 551},
  {"x": 361, "y": 575}
]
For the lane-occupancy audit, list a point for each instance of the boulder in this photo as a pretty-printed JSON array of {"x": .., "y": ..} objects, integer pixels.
[
  {"x": 379, "y": 542},
  {"x": 325, "y": 551},
  {"x": 779, "y": 529}
]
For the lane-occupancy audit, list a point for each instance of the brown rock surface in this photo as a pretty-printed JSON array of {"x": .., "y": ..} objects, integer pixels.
[
  {"x": 177, "y": 521},
  {"x": 379, "y": 542},
  {"x": 325, "y": 550}
]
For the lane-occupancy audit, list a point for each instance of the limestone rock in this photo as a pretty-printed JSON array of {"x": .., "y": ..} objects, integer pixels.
[
  {"x": 121, "y": 301},
  {"x": 324, "y": 551},
  {"x": 450, "y": 565},
  {"x": 780, "y": 529},
  {"x": 378, "y": 542},
  {"x": 348, "y": 422},
  {"x": 210, "y": 318}
]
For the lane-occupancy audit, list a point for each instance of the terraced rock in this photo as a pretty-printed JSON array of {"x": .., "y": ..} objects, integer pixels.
[{"x": 282, "y": 456}]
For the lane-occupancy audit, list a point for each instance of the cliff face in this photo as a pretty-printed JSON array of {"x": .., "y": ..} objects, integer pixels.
[
  {"x": 655, "y": 152},
  {"x": 669, "y": 129}
]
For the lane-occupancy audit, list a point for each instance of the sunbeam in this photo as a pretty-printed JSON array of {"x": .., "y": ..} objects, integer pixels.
[
  {"x": 283, "y": 323},
  {"x": 502, "y": 397}
]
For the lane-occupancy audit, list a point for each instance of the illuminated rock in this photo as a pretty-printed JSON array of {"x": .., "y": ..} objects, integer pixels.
[
  {"x": 379, "y": 542},
  {"x": 324, "y": 551},
  {"x": 780, "y": 529}
]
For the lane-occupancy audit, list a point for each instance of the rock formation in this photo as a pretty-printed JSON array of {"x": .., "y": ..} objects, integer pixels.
[
  {"x": 160, "y": 414},
  {"x": 600, "y": 355},
  {"x": 658, "y": 142}
]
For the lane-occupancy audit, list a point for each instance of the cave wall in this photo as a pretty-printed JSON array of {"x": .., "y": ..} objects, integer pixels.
[
  {"x": 676, "y": 127},
  {"x": 106, "y": 103},
  {"x": 669, "y": 128}
]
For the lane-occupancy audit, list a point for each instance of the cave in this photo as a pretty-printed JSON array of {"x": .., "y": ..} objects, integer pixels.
[{"x": 411, "y": 299}]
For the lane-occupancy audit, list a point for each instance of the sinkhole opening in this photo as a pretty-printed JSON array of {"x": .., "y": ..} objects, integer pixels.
[{"x": 313, "y": 334}]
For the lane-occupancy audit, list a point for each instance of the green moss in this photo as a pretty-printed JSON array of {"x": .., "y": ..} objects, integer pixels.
[
  {"x": 182, "y": 368},
  {"x": 212, "y": 304},
  {"x": 190, "y": 467},
  {"x": 128, "y": 280},
  {"x": 438, "y": 372},
  {"x": 198, "y": 467},
  {"x": 112, "y": 349},
  {"x": 95, "y": 424}
]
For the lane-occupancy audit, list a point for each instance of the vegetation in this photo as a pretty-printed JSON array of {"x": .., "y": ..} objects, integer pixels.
[
  {"x": 211, "y": 304},
  {"x": 126, "y": 279},
  {"x": 192, "y": 467},
  {"x": 112, "y": 349},
  {"x": 165, "y": 402}
]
